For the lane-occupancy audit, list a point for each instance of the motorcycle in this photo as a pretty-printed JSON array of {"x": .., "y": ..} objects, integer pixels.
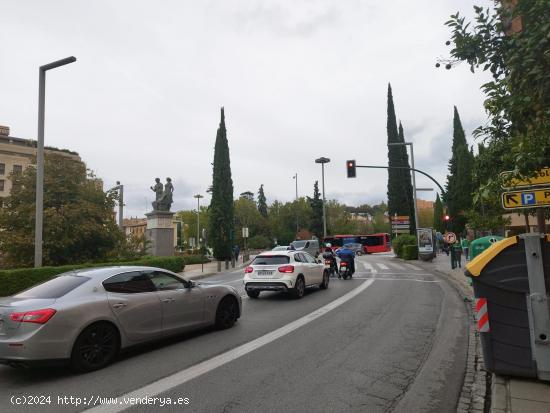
[
  {"x": 330, "y": 265},
  {"x": 345, "y": 270}
]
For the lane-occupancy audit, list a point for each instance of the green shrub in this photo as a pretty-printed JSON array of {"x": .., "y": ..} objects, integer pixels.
[
  {"x": 194, "y": 259},
  {"x": 399, "y": 242},
  {"x": 14, "y": 281},
  {"x": 259, "y": 242},
  {"x": 410, "y": 252}
]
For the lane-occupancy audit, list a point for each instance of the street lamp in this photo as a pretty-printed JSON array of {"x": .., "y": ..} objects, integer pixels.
[
  {"x": 323, "y": 161},
  {"x": 295, "y": 177},
  {"x": 40, "y": 156},
  {"x": 120, "y": 189},
  {"x": 413, "y": 177},
  {"x": 198, "y": 196}
]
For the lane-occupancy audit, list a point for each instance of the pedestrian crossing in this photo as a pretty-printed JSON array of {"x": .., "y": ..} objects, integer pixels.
[{"x": 377, "y": 266}]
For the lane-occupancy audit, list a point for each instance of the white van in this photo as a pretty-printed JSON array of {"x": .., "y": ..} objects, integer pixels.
[{"x": 310, "y": 246}]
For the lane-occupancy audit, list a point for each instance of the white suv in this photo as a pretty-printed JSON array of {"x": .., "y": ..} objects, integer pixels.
[{"x": 288, "y": 271}]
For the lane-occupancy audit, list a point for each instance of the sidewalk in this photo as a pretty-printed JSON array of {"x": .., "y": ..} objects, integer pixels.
[
  {"x": 508, "y": 395},
  {"x": 198, "y": 271}
]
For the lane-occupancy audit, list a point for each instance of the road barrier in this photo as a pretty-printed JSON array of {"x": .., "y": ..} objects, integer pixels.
[{"x": 511, "y": 281}]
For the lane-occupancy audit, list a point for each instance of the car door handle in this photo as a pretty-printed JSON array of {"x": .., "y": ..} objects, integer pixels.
[
  {"x": 119, "y": 305},
  {"x": 167, "y": 300}
]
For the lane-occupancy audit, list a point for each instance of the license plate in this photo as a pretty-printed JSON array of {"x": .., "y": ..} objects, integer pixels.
[{"x": 264, "y": 273}]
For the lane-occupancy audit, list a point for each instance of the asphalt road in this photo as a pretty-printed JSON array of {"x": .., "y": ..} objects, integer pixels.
[{"x": 392, "y": 339}]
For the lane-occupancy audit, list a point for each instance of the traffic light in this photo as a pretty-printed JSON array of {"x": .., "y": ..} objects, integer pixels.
[
  {"x": 446, "y": 218},
  {"x": 350, "y": 165}
]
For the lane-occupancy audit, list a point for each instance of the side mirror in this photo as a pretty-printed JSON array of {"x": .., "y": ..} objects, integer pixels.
[
  {"x": 190, "y": 284},
  {"x": 319, "y": 262}
]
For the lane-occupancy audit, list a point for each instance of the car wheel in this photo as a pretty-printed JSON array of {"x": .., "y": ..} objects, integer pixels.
[
  {"x": 300, "y": 288},
  {"x": 253, "y": 293},
  {"x": 95, "y": 347},
  {"x": 227, "y": 313},
  {"x": 324, "y": 284}
]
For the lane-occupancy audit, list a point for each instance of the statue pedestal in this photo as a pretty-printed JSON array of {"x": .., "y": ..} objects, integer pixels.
[{"x": 160, "y": 233}]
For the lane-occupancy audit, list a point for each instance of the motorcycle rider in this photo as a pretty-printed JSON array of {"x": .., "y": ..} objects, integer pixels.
[
  {"x": 328, "y": 254},
  {"x": 347, "y": 255}
]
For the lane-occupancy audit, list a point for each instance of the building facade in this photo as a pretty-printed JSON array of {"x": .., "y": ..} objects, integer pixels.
[{"x": 17, "y": 154}]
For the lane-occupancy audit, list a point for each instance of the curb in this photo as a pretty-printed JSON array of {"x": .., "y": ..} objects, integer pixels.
[{"x": 475, "y": 395}]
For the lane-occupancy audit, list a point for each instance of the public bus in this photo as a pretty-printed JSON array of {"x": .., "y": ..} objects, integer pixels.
[
  {"x": 372, "y": 243},
  {"x": 376, "y": 242}
]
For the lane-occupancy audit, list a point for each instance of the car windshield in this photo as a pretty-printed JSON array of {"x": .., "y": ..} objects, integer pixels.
[
  {"x": 271, "y": 260},
  {"x": 299, "y": 244},
  {"x": 55, "y": 288}
]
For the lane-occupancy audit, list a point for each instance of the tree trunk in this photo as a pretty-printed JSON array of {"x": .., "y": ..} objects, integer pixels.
[
  {"x": 540, "y": 220},
  {"x": 527, "y": 226}
]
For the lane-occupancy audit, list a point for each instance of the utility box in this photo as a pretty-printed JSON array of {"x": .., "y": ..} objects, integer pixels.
[
  {"x": 479, "y": 245},
  {"x": 511, "y": 281}
]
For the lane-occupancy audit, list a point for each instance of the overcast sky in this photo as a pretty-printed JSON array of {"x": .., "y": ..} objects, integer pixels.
[{"x": 299, "y": 79}]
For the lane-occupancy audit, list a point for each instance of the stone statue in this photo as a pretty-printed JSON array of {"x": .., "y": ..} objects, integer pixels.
[{"x": 164, "y": 198}]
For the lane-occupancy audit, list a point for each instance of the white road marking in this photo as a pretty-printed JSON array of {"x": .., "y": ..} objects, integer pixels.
[
  {"x": 367, "y": 266},
  {"x": 412, "y": 267},
  {"x": 396, "y": 266},
  {"x": 394, "y": 279},
  {"x": 382, "y": 266},
  {"x": 183, "y": 376}
]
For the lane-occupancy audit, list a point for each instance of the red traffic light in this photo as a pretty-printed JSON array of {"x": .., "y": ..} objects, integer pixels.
[
  {"x": 350, "y": 165},
  {"x": 446, "y": 217}
]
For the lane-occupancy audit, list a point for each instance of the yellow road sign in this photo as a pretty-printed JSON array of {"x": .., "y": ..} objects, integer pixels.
[
  {"x": 543, "y": 179},
  {"x": 535, "y": 198}
]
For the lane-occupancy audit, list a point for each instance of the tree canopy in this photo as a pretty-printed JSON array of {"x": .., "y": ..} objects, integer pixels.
[{"x": 79, "y": 224}]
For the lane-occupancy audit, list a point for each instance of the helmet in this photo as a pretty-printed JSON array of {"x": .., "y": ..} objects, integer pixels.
[{"x": 328, "y": 245}]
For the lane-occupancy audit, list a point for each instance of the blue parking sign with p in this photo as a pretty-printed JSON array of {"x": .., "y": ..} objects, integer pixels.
[{"x": 528, "y": 198}]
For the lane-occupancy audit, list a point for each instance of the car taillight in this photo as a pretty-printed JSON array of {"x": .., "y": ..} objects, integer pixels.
[
  {"x": 248, "y": 270},
  {"x": 343, "y": 264},
  {"x": 328, "y": 262},
  {"x": 37, "y": 316},
  {"x": 286, "y": 269}
]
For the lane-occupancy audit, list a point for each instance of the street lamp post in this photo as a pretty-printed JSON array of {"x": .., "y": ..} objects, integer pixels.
[
  {"x": 323, "y": 161},
  {"x": 120, "y": 189},
  {"x": 413, "y": 177},
  {"x": 40, "y": 156},
  {"x": 198, "y": 196},
  {"x": 295, "y": 177}
]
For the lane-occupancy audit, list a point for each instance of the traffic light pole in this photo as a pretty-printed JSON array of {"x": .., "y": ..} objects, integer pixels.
[{"x": 410, "y": 169}]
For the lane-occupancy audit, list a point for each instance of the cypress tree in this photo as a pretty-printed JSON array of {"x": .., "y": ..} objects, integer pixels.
[
  {"x": 262, "y": 205},
  {"x": 460, "y": 180},
  {"x": 439, "y": 225},
  {"x": 399, "y": 181},
  {"x": 316, "y": 204},
  {"x": 221, "y": 206}
]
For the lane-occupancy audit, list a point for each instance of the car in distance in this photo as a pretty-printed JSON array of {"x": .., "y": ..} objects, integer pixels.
[
  {"x": 86, "y": 316},
  {"x": 287, "y": 271},
  {"x": 310, "y": 246},
  {"x": 281, "y": 248},
  {"x": 355, "y": 247}
]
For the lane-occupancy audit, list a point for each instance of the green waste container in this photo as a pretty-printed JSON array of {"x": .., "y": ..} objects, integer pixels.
[
  {"x": 504, "y": 306},
  {"x": 479, "y": 245}
]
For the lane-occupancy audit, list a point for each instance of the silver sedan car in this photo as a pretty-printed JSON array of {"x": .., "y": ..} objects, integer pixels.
[{"x": 86, "y": 316}]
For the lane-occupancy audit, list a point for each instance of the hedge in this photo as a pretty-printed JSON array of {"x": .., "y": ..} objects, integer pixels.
[
  {"x": 14, "y": 281},
  {"x": 194, "y": 259},
  {"x": 410, "y": 252},
  {"x": 399, "y": 242}
]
